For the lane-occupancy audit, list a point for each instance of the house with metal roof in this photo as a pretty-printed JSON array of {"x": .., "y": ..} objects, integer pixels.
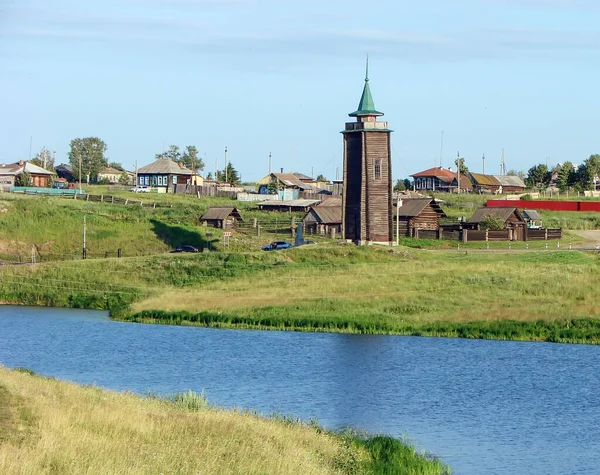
[
  {"x": 533, "y": 218},
  {"x": 225, "y": 217},
  {"x": 163, "y": 174},
  {"x": 12, "y": 175},
  {"x": 440, "y": 179},
  {"x": 287, "y": 205},
  {"x": 496, "y": 183}
]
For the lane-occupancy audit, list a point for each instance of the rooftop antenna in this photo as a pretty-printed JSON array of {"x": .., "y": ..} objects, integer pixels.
[{"x": 367, "y": 69}]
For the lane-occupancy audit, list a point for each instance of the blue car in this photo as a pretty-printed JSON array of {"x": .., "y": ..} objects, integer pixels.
[{"x": 276, "y": 245}]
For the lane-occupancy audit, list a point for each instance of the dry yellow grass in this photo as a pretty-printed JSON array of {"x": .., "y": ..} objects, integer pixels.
[{"x": 48, "y": 426}]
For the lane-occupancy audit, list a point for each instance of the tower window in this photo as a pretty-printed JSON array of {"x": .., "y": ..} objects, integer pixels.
[{"x": 378, "y": 169}]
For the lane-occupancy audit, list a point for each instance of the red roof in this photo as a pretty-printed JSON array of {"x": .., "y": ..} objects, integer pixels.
[{"x": 436, "y": 172}]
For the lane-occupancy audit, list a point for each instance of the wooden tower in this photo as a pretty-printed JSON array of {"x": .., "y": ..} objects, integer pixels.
[{"x": 367, "y": 195}]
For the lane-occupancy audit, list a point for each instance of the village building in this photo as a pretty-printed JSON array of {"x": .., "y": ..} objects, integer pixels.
[
  {"x": 496, "y": 183},
  {"x": 287, "y": 185},
  {"x": 533, "y": 218},
  {"x": 13, "y": 175},
  {"x": 324, "y": 218},
  {"x": 367, "y": 194},
  {"x": 418, "y": 214},
  {"x": 441, "y": 179},
  {"x": 65, "y": 172},
  {"x": 510, "y": 216},
  {"x": 109, "y": 174},
  {"x": 163, "y": 174},
  {"x": 225, "y": 217}
]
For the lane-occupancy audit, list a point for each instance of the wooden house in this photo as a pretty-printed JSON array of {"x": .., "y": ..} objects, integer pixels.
[
  {"x": 325, "y": 218},
  {"x": 496, "y": 183},
  {"x": 162, "y": 174},
  {"x": 12, "y": 174},
  {"x": 287, "y": 206},
  {"x": 225, "y": 217},
  {"x": 418, "y": 214},
  {"x": 510, "y": 216}
]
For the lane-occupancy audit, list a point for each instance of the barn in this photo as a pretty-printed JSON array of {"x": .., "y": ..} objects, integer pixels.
[
  {"x": 323, "y": 219},
  {"x": 225, "y": 217}
]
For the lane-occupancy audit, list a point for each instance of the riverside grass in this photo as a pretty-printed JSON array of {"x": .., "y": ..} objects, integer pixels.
[
  {"x": 534, "y": 295},
  {"x": 49, "y": 426}
]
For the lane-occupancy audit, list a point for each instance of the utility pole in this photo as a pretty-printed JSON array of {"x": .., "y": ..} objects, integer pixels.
[
  {"x": 80, "y": 173},
  {"x": 84, "y": 254},
  {"x": 398, "y": 204},
  {"x": 270, "y": 162},
  {"x": 458, "y": 171},
  {"x": 312, "y": 172},
  {"x": 216, "y": 169},
  {"x": 225, "y": 164},
  {"x": 483, "y": 166},
  {"x": 136, "y": 176}
]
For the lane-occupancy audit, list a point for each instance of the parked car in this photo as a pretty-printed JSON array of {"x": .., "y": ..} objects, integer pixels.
[
  {"x": 185, "y": 249},
  {"x": 276, "y": 245},
  {"x": 140, "y": 189}
]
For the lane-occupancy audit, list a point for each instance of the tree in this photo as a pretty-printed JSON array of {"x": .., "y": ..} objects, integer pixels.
[
  {"x": 232, "y": 176},
  {"x": 538, "y": 176},
  {"x": 399, "y": 186},
  {"x": 273, "y": 186},
  {"x": 172, "y": 154},
  {"x": 90, "y": 151},
  {"x": 44, "y": 159},
  {"x": 492, "y": 223},
  {"x": 592, "y": 165},
  {"x": 564, "y": 175},
  {"x": 116, "y": 165},
  {"x": 209, "y": 176},
  {"x": 322, "y": 178},
  {"x": 520, "y": 173},
  {"x": 460, "y": 166},
  {"x": 24, "y": 179},
  {"x": 190, "y": 158},
  {"x": 124, "y": 179},
  {"x": 407, "y": 183}
]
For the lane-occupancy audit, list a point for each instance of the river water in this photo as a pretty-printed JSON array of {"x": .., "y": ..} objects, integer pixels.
[{"x": 483, "y": 407}]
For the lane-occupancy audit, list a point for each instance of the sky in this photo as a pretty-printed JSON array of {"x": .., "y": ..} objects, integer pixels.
[{"x": 280, "y": 77}]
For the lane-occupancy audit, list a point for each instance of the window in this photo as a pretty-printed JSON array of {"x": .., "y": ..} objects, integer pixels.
[
  {"x": 160, "y": 180},
  {"x": 153, "y": 180},
  {"x": 378, "y": 169},
  {"x": 174, "y": 179}
]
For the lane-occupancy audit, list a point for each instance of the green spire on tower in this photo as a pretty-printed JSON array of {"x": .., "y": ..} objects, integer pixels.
[{"x": 366, "y": 106}]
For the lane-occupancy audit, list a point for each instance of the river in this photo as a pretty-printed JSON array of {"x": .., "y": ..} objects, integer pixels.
[{"x": 483, "y": 407}]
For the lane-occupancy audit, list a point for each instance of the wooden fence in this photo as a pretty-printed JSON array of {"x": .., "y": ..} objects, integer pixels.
[{"x": 204, "y": 190}]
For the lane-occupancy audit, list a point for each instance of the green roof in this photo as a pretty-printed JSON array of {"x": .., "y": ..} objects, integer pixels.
[{"x": 366, "y": 106}]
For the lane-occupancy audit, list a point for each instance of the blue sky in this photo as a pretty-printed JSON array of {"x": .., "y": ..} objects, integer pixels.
[{"x": 262, "y": 76}]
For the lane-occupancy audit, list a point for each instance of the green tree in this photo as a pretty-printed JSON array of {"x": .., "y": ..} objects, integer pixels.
[
  {"x": 564, "y": 175},
  {"x": 399, "y": 185},
  {"x": 492, "y": 223},
  {"x": 191, "y": 160},
  {"x": 209, "y": 176},
  {"x": 172, "y": 154},
  {"x": 322, "y": 178},
  {"x": 592, "y": 166},
  {"x": 24, "y": 179},
  {"x": 116, "y": 166},
  {"x": 124, "y": 179},
  {"x": 45, "y": 159},
  {"x": 538, "y": 176},
  {"x": 273, "y": 186},
  {"x": 90, "y": 152},
  {"x": 461, "y": 166},
  {"x": 232, "y": 176},
  {"x": 407, "y": 184}
]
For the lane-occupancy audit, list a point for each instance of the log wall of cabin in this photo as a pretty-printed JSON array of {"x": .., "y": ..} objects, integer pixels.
[
  {"x": 427, "y": 219},
  {"x": 353, "y": 186}
]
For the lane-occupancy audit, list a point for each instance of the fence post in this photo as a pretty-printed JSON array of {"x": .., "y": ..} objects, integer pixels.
[
  {"x": 546, "y": 234},
  {"x": 293, "y": 225},
  {"x": 101, "y": 198},
  {"x": 119, "y": 253},
  {"x": 254, "y": 223},
  {"x": 487, "y": 234},
  {"x": 416, "y": 233},
  {"x": 112, "y": 199},
  {"x": 440, "y": 233},
  {"x": 105, "y": 254},
  {"x": 332, "y": 231},
  {"x": 465, "y": 237},
  {"x": 258, "y": 230}
]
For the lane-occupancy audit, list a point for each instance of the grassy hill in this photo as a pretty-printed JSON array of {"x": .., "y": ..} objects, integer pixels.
[{"x": 48, "y": 426}]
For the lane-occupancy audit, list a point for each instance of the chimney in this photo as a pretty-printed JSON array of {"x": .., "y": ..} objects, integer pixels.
[{"x": 21, "y": 163}]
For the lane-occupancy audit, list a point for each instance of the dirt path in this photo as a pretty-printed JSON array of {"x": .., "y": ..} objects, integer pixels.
[{"x": 592, "y": 238}]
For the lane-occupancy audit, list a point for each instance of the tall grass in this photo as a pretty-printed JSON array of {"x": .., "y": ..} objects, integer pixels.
[{"x": 48, "y": 426}]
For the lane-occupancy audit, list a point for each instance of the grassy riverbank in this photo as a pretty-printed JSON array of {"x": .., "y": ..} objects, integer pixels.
[
  {"x": 48, "y": 426},
  {"x": 534, "y": 295}
]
